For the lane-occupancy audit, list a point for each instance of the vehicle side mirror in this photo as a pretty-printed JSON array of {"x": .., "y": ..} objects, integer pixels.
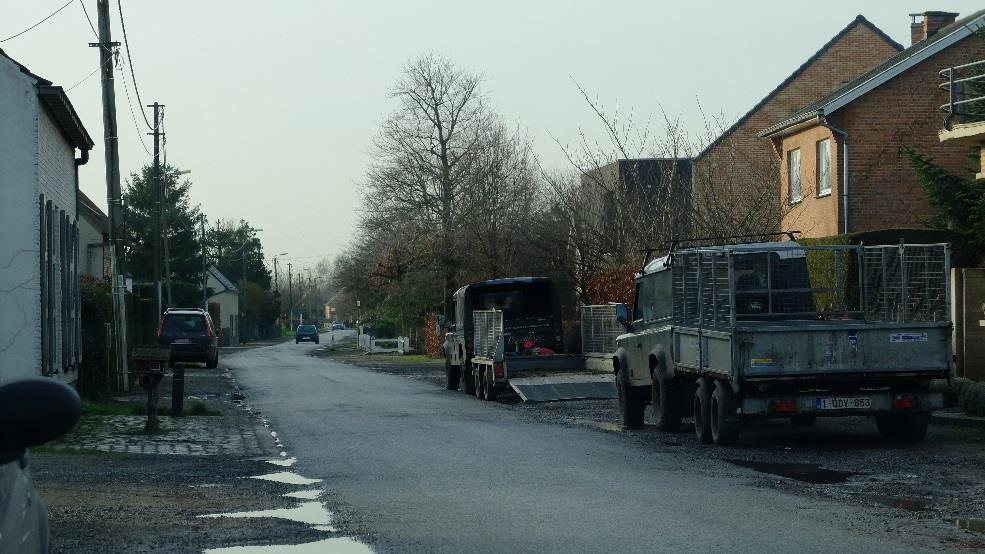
[
  {"x": 34, "y": 411},
  {"x": 622, "y": 313}
]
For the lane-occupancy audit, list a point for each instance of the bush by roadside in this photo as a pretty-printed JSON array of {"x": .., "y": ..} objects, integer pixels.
[{"x": 972, "y": 399}]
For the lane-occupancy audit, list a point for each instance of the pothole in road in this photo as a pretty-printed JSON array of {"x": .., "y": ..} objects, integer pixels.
[
  {"x": 908, "y": 504},
  {"x": 807, "y": 473}
]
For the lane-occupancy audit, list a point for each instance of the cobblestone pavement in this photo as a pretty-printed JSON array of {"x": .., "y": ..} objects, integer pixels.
[{"x": 237, "y": 430}]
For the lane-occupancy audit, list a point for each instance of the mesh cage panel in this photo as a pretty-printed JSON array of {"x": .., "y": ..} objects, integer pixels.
[{"x": 599, "y": 329}]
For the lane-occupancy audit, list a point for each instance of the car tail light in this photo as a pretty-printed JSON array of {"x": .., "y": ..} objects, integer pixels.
[
  {"x": 208, "y": 329},
  {"x": 783, "y": 405},
  {"x": 904, "y": 401},
  {"x": 160, "y": 326},
  {"x": 498, "y": 369}
]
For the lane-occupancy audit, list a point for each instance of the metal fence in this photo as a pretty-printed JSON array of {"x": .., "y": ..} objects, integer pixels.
[
  {"x": 599, "y": 329},
  {"x": 965, "y": 86},
  {"x": 714, "y": 287},
  {"x": 487, "y": 331},
  {"x": 906, "y": 283}
]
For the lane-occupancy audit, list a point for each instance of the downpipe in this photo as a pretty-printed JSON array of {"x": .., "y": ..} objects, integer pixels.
[{"x": 844, "y": 172}]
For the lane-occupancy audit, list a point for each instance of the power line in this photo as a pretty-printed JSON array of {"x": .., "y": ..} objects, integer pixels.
[
  {"x": 91, "y": 26},
  {"x": 136, "y": 90},
  {"x": 86, "y": 78},
  {"x": 39, "y": 22},
  {"x": 133, "y": 116}
]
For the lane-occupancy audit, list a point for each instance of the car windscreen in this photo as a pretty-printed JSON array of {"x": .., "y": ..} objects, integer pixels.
[
  {"x": 517, "y": 301},
  {"x": 307, "y": 329},
  {"x": 175, "y": 324}
]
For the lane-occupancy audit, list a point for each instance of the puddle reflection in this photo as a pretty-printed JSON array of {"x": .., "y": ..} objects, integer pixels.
[
  {"x": 341, "y": 545},
  {"x": 311, "y": 513},
  {"x": 305, "y": 495},
  {"x": 284, "y": 463},
  {"x": 971, "y": 524},
  {"x": 286, "y": 477},
  {"x": 808, "y": 473}
]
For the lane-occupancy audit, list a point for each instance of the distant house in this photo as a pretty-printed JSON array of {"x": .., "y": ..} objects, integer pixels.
[
  {"x": 94, "y": 257},
  {"x": 841, "y": 168},
  {"x": 40, "y": 327},
  {"x": 736, "y": 174},
  {"x": 224, "y": 305}
]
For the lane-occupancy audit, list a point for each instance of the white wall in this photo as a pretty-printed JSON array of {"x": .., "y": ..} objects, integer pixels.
[
  {"x": 20, "y": 284},
  {"x": 90, "y": 253},
  {"x": 228, "y": 308}
]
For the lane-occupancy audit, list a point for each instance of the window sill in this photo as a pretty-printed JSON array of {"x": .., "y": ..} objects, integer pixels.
[
  {"x": 796, "y": 201},
  {"x": 824, "y": 194}
]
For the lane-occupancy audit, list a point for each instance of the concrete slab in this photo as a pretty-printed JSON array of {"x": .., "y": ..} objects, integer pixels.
[{"x": 564, "y": 387}]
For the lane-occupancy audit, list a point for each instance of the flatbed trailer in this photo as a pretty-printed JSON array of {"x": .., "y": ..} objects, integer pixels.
[{"x": 733, "y": 333}]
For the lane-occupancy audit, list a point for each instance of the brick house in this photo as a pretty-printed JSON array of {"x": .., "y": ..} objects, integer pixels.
[
  {"x": 40, "y": 326},
  {"x": 823, "y": 192},
  {"x": 735, "y": 175}
]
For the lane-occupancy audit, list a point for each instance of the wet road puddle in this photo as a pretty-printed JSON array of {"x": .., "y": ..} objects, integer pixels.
[
  {"x": 286, "y": 462},
  {"x": 908, "y": 504},
  {"x": 310, "y": 513},
  {"x": 341, "y": 545},
  {"x": 977, "y": 525},
  {"x": 305, "y": 495},
  {"x": 286, "y": 477},
  {"x": 807, "y": 473}
]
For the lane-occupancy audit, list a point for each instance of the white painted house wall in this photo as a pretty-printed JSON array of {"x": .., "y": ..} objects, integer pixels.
[
  {"x": 228, "y": 301},
  {"x": 36, "y": 159},
  {"x": 20, "y": 283}
]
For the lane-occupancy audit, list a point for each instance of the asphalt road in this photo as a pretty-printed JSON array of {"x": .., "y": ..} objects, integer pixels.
[{"x": 410, "y": 467}]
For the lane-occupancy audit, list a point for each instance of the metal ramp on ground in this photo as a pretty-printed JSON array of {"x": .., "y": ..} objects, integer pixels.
[{"x": 565, "y": 387}]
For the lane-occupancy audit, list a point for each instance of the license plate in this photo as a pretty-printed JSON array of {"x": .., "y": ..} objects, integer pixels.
[
  {"x": 181, "y": 341},
  {"x": 842, "y": 403}
]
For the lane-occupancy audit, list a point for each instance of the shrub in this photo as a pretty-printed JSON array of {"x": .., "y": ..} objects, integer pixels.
[
  {"x": 950, "y": 389},
  {"x": 972, "y": 399}
]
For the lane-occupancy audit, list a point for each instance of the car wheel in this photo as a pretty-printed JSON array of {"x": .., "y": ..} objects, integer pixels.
[
  {"x": 666, "y": 414},
  {"x": 466, "y": 379},
  {"x": 451, "y": 376},
  {"x": 723, "y": 419},
  {"x": 632, "y": 405}
]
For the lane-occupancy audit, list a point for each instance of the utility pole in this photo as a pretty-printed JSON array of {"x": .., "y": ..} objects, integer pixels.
[
  {"x": 158, "y": 202},
  {"x": 290, "y": 296},
  {"x": 113, "y": 197},
  {"x": 205, "y": 270},
  {"x": 242, "y": 292}
]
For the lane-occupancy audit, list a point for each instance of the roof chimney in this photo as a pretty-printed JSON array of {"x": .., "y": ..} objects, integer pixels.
[{"x": 928, "y": 26}]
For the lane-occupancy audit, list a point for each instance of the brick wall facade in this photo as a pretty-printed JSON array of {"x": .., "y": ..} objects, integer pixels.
[
  {"x": 740, "y": 164},
  {"x": 883, "y": 191}
]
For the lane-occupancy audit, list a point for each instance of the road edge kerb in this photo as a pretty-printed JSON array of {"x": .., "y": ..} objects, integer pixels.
[{"x": 955, "y": 419}]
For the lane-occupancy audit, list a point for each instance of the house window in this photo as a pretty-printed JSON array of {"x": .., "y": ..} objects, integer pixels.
[
  {"x": 824, "y": 167},
  {"x": 793, "y": 169}
]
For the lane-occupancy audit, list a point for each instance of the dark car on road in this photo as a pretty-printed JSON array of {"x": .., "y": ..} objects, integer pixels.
[
  {"x": 307, "y": 333},
  {"x": 190, "y": 335},
  {"x": 32, "y": 412}
]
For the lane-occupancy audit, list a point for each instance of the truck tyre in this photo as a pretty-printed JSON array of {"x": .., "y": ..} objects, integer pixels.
[
  {"x": 632, "y": 404},
  {"x": 723, "y": 419},
  {"x": 467, "y": 381},
  {"x": 903, "y": 427},
  {"x": 702, "y": 410},
  {"x": 478, "y": 380},
  {"x": 451, "y": 375},
  {"x": 489, "y": 387},
  {"x": 666, "y": 412},
  {"x": 803, "y": 420}
]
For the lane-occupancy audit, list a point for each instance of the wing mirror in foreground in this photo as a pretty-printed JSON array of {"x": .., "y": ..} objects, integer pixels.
[
  {"x": 622, "y": 314},
  {"x": 34, "y": 411}
]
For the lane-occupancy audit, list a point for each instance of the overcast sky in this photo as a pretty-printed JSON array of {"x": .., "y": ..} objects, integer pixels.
[{"x": 272, "y": 105}]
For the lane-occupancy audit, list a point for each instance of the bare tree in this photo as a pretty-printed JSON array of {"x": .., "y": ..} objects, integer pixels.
[{"x": 425, "y": 155}]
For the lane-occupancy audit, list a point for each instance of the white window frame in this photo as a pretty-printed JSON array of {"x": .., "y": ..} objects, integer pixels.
[
  {"x": 793, "y": 175},
  {"x": 824, "y": 167}
]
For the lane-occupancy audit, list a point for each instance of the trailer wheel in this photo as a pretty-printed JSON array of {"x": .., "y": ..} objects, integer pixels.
[
  {"x": 702, "y": 410},
  {"x": 632, "y": 404},
  {"x": 903, "y": 427},
  {"x": 451, "y": 375},
  {"x": 666, "y": 413},
  {"x": 723, "y": 419},
  {"x": 489, "y": 386},
  {"x": 465, "y": 376},
  {"x": 803, "y": 420},
  {"x": 478, "y": 380}
]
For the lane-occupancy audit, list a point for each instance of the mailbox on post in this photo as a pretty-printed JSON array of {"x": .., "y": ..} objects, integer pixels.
[{"x": 150, "y": 363}]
